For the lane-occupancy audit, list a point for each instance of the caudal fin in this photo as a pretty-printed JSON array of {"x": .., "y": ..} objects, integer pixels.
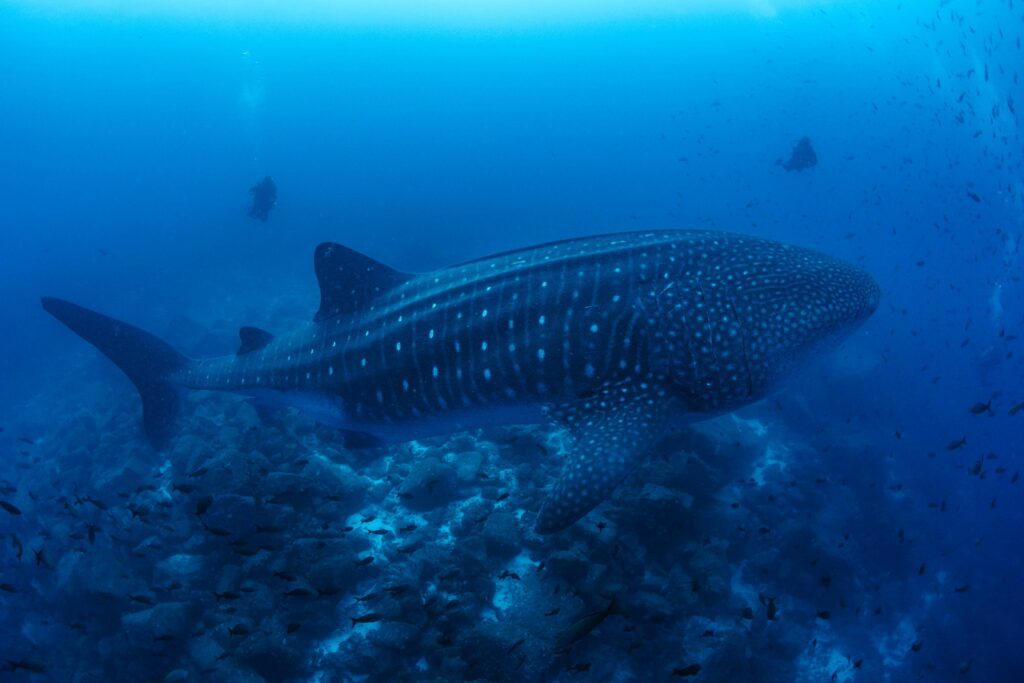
[{"x": 144, "y": 358}]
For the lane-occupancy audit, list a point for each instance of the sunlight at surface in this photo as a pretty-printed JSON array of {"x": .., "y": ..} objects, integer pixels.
[{"x": 415, "y": 12}]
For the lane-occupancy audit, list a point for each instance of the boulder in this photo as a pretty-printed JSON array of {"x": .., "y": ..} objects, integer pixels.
[
  {"x": 430, "y": 484},
  {"x": 501, "y": 535},
  {"x": 145, "y": 629},
  {"x": 233, "y": 513}
]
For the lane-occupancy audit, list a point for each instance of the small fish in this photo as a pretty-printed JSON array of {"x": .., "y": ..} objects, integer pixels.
[
  {"x": 579, "y": 668},
  {"x": 368, "y": 618},
  {"x": 226, "y": 596},
  {"x": 408, "y": 528},
  {"x": 373, "y": 595},
  {"x": 25, "y": 439},
  {"x": 682, "y": 672},
  {"x": 921, "y": 569},
  {"x": 982, "y": 408},
  {"x": 13, "y": 665},
  {"x": 824, "y": 614},
  {"x": 962, "y": 589},
  {"x": 239, "y": 630},
  {"x": 284, "y": 576},
  {"x": 956, "y": 445},
  {"x": 506, "y": 574},
  {"x": 363, "y": 561},
  {"x": 203, "y": 504},
  {"x": 974, "y": 197},
  {"x": 13, "y": 509},
  {"x": 379, "y": 532},
  {"x": 183, "y": 488},
  {"x": 299, "y": 593},
  {"x": 916, "y": 646},
  {"x": 293, "y": 627},
  {"x": 198, "y": 472},
  {"x": 553, "y": 612},
  {"x": 1016, "y": 408},
  {"x": 8, "y": 588},
  {"x": 141, "y": 599},
  {"x": 41, "y": 559},
  {"x": 515, "y": 645}
]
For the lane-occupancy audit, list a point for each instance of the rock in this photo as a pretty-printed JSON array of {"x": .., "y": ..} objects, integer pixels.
[
  {"x": 475, "y": 512},
  {"x": 711, "y": 575},
  {"x": 393, "y": 636},
  {"x": 145, "y": 629},
  {"x": 304, "y": 553},
  {"x": 233, "y": 513},
  {"x": 333, "y": 574},
  {"x": 429, "y": 484},
  {"x": 287, "y": 488},
  {"x": 567, "y": 566},
  {"x": 501, "y": 535},
  {"x": 180, "y": 567},
  {"x": 228, "y": 672},
  {"x": 337, "y": 482},
  {"x": 467, "y": 465},
  {"x": 204, "y": 651}
]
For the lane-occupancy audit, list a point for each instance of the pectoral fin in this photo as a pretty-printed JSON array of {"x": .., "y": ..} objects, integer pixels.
[{"x": 610, "y": 431}]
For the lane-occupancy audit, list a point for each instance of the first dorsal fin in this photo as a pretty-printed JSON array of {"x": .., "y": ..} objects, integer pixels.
[
  {"x": 349, "y": 280},
  {"x": 252, "y": 339}
]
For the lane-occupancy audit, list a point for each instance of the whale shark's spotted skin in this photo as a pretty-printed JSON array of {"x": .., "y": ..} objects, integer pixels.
[{"x": 612, "y": 336}]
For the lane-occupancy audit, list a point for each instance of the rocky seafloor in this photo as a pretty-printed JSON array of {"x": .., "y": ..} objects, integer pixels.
[{"x": 256, "y": 548}]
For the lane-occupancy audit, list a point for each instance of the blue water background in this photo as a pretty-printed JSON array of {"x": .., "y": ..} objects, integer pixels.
[{"x": 128, "y": 143}]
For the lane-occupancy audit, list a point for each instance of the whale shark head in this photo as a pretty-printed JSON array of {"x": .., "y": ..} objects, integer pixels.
[
  {"x": 747, "y": 312},
  {"x": 811, "y": 304}
]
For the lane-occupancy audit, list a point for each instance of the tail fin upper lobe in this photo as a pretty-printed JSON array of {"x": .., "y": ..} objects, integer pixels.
[{"x": 144, "y": 358}]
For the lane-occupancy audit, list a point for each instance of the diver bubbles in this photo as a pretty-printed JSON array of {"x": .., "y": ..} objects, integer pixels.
[{"x": 251, "y": 98}]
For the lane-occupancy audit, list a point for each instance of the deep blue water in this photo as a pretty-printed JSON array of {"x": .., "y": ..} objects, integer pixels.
[{"x": 128, "y": 143}]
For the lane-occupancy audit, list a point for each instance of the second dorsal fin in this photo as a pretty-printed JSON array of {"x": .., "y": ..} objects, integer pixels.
[
  {"x": 252, "y": 339},
  {"x": 349, "y": 280}
]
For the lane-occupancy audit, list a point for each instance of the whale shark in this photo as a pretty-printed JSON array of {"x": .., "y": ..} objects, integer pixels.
[{"x": 616, "y": 338}]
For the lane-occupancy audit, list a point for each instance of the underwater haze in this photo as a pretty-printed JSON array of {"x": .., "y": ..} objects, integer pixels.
[{"x": 511, "y": 341}]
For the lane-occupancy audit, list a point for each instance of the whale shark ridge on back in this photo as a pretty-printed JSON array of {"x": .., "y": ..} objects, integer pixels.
[{"x": 614, "y": 337}]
